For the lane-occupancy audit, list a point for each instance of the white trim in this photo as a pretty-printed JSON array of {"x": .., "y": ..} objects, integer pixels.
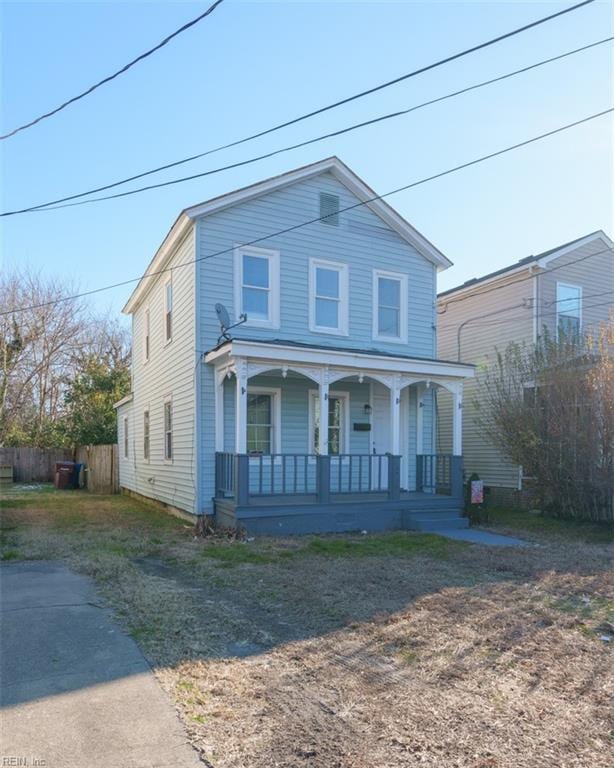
[
  {"x": 403, "y": 308},
  {"x": 168, "y": 284},
  {"x": 124, "y": 401},
  {"x": 344, "y": 432},
  {"x": 343, "y": 299},
  {"x": 600, "y": 235},
  {"x": 168, "y": 460},
  {"x": 273, "y": 291},
  {"x": 560, "y": 283},
  {"x": 275, "y": 393},
  {"x": 353, "y": 361}
]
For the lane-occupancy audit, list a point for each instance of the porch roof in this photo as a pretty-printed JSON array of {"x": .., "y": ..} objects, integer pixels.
[{"x": 354, "y": 360}]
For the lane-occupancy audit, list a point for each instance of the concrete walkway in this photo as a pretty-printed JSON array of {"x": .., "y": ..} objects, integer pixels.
[
  {"x": 476, "y": 536},
  {"x": 75, "y": 690}
]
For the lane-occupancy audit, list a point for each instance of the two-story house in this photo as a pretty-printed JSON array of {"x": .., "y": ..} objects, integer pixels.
[
  {"x": 317, "y": 413},
  {"x": 567, "y": 289}
]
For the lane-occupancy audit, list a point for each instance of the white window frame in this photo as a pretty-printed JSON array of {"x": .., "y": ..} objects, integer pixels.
[
  {"x": 126, "y": 438},
  {"x": 168, "y": 284},
  {"x": 168, "y": 400},
  {"x": 403, "y": 309},
  {"x": 147, "y": 410},
  {"x": 344, "y": 396},
  {"x": 560, "y": 284},
  {"x": 343, "y": 300},
  {"x": 264, "y": 253},
  {"x": 275, "y": 393},
  {"x": 147, "y": 335}
]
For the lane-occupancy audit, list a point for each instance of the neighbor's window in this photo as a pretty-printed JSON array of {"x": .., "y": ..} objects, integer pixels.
[
  {"x": 336, "y": 421},
  {"x": 568, "y": 309},
  {"x": 147, "y": 335},
  {"x": 260, "y": 423},
  {"x": 168, "y": 430},
  {"x": 329, "y": 296},
  {"x": 258, "y": 285},
  {"x": 389, "y": 306},
  {"x": 168, "y": 311},
  {"x": 126, "y": 438},
  {"x": 146, "y": 435}
]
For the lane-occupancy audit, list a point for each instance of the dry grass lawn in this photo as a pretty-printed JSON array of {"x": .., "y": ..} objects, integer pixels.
[{"x": 354, "y": 651}]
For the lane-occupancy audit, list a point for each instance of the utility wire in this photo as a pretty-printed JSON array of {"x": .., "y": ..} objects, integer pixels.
[
  {"x": 57, "y": 203},
  {"x": 295, "y": 227},
  {"x": 206, "y": 173},
  {"x": 119, "y": 72},
  {"x": 500, "y": 287}
]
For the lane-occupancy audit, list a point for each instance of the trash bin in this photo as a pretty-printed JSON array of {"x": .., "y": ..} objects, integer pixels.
[{"x": 64, "y": 474}]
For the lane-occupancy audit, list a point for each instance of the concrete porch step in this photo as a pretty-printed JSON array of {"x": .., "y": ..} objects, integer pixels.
[{"x": 435, "y": 522}]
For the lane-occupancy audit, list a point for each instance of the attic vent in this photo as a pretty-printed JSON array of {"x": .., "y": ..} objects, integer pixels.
[{"x": 329, "y": 209}]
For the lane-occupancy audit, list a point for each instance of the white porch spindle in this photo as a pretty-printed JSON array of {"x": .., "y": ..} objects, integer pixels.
[
  {"x": 241, "y": 408},
  {"x": 395, "y": 418},
  {"x": 323, "y": 433},
  {"x": 457, "y": 422}
]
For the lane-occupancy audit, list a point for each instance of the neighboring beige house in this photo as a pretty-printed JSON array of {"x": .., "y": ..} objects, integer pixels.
[{"x": 570, "y": 287}]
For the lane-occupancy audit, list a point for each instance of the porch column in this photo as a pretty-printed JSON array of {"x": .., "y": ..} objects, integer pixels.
[
  {"x": 218, "y": 393},
  {"x": 457, "y": 421},
  {"x": 241, "y": 407},
  {"x": 419, "y": 420},
  {"x": 323, "y": 434},
  {"x": 395, "y": 416}
]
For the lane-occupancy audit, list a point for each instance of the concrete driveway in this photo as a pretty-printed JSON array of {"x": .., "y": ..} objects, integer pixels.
[{"x": 74, "y": 689}]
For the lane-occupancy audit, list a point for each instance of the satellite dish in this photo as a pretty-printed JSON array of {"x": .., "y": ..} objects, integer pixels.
[{"x": 224, "y": 320}]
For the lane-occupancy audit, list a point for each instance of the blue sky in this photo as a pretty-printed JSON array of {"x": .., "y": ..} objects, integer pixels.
[{"x": 253, "y": 64}]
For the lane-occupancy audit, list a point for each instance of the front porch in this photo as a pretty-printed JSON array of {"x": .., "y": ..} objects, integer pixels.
[{"x": 368, "y": 423}]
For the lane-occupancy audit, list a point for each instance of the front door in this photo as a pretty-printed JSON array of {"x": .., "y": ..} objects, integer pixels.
[{"x": 380, "y": 442}]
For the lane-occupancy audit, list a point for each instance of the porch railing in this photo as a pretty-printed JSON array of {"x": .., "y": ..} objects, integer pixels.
[
  {"x": 359, "y": 473},
  {"x": 439, "y": 473}
]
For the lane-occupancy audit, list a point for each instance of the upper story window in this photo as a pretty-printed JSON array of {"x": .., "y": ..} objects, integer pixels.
[
  {"x": 328, "y": 297},
  {"x": 168, "y": 311},
  {"x": 146, "y": 340},
  {"x": 389, "y": 306},
  {"x": 257, "y": 285},
  {"x": 568, "y": 309}
]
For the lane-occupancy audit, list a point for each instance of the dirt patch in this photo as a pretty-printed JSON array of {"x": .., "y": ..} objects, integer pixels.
[{"x": 353, "y": 651}]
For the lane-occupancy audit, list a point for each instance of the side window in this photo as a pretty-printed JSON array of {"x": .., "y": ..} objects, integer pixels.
[
  {"x": 146, "y": 435},
  {"x": 146, "y": 340},
  {"x": 328, "y": 297},
  {"x": 168, "y": 429},
  {"x": 389, "y": 306},
  {"x": 568, "y": 310},
  {"x": 126, "y": 438},
  {"x": 257, "y": 285},
  {"x": 168, "y": 311}
]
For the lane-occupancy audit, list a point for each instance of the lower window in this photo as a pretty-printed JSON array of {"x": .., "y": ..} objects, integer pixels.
[{"x": 337, "y": 417}]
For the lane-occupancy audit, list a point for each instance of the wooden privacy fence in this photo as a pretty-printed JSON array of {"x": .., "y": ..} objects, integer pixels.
[
  {"x": 101, "y": 467},
  {"x": 33, "y": 465}
]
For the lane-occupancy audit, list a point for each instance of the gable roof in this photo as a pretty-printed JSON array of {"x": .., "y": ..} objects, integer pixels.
[
  {"x": 331, "y": 165},
  {"x": 540, "y": 259}
]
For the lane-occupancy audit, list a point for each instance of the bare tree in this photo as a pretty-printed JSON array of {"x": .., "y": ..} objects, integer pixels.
[{"x": 550, "y": 408}]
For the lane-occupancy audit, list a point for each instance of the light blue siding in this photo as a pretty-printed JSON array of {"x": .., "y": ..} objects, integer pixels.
[{"x": 362, "y": 241}]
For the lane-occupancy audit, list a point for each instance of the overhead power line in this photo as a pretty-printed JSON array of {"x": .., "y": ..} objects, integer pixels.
[
  {"x": 522, "y": 279},
  {"x": 58, "y": 202},
  {"x": 206, "y": 173},
  {"x": 295, "y": 227},
  {"x": 119, "y": 72}
]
